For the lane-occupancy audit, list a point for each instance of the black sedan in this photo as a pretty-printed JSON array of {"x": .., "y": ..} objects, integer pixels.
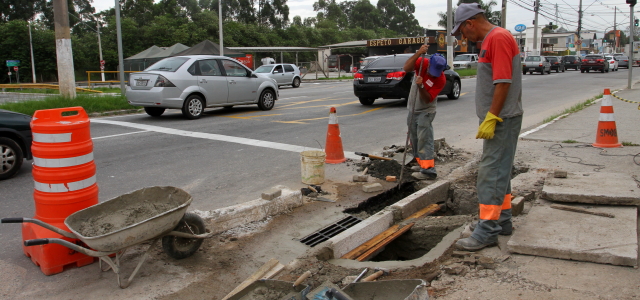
[
  {"x": 385, "y": 78},
  {"x": 15, "y": 142}
]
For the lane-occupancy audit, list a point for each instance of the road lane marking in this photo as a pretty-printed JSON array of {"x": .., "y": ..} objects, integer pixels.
[
  {"x": 293, "y": 97},
  {"x": 115, "y": 135},
  {"x": 218, "y": 137},
  {"x": 322, "y": 118}
]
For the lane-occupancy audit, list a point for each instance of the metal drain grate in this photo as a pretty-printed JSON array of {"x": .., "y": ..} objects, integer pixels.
[{"x": 329, "y": 231}]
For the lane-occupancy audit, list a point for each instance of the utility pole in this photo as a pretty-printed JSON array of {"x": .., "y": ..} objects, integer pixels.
[
  {"x": 580, "y": 27},
  {"x": 220, "y": 25},
  {"x": 631, "y": 3},
  {"x": 536, "y": 8},
  {"x": 503, "y": 14},
  {"x": 557, "y": 15},
  {"x": 449, "y": 37},
  {"x": 33, "y": 65},
  {"x": 615, "y": 32},
  {"x": 64, "y": 53},
  {"x": 123, "y": 90},
  {"x": 100, "y": 49}
]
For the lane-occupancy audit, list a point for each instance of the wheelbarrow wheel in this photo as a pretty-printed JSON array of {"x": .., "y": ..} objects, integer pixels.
[{"x": 178, "y": 247}]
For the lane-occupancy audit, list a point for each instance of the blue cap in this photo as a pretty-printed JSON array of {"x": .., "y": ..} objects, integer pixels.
[{"x": 437, "y": 64}]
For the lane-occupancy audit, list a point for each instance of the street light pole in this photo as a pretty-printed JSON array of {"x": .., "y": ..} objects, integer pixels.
[
  {"x": 123, "y": 90},
  {"x": 33, "y": 66},
  {"x": 220, "y": 25},
  {"x": 631, "y": 24},
  {"x": 100, "y": 49},
  {"x": 535, "y": 28}
]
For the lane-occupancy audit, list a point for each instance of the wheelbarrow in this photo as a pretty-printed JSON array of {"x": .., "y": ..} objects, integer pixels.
[{"x": 109, "y": 228}]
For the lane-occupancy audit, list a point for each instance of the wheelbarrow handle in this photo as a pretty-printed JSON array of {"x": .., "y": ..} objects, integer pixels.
[
  {"x": 11, "y": 220},
  {"x": 36, "y": 242},
  {"x": 42, "y": 224}
]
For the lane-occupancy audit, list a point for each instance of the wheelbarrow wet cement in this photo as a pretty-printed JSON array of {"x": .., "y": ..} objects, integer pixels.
[{"x": 111, "y": 227}]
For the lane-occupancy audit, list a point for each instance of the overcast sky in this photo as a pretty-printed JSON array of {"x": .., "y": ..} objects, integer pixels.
[{"x": 598, "y": 14}]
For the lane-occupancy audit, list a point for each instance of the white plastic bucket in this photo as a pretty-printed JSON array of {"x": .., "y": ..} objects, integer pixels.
[{"x": 312, "y": 166}]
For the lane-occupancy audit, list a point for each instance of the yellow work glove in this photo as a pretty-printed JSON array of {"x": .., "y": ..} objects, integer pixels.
[{"x": 488, "y": 127}]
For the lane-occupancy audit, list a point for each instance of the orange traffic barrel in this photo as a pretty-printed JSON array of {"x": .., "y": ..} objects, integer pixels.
[{"x": 64, "y": 174}]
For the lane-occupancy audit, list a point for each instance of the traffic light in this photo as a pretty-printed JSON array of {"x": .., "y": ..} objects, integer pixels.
[{"x": 637, "y": 22}]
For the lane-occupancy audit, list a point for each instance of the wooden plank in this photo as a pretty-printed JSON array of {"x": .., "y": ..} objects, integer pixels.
[
  {"x": 367, "y": 255},
  {"x": 255, "y": 276},
  {"x": 581, "y": 210},
  {"x": 429, "y": 210},
  {"x": 353, "y": 254},
  {"x": 274, "y": 271}
]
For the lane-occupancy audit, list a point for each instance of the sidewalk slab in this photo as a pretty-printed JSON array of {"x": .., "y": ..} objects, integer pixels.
[
  {"x": 568, "y": 235},
  {"x": 594, "y": 188}
]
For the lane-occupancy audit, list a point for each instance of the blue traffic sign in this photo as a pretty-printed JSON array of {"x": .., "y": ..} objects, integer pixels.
[{"x": 520, "y": 27}]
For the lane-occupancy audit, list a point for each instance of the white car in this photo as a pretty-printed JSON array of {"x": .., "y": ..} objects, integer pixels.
[
  {"x": 613, "y": 64},
  {"x": 195, "y": 82},
  {"x": 284, "y": 74},
  {"x": 465, "y": 61}
]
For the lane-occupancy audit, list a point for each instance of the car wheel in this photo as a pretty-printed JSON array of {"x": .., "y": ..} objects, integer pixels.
[
  {"x": 524, "y": 72},
  {"x": 193, "y": 107},
  {"x": 267, "y": 100},
  {"x": 455, "y": 90},
  {"x": 581, "y": 70},
  {"x": 366, "y": 101},
  {"x": 154, "y": 111},
  {"x": 558, "y": 70},
  {"x": 542, "y": 73},
  {"x": 11, "y": 158},
  {"x": 468, "y": 67},
  {"x": 603, "y": 70},
  {"x": 563, "y": 69},
  {"x": 296, "y": 82},
  {"x": 549, "y": 72}
]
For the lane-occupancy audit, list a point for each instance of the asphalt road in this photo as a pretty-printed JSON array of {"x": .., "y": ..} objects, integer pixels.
[{"x": 230, "y": 156}]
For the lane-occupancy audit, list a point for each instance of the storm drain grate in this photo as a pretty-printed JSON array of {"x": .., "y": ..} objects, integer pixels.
[{"x": 329, "y": 231}]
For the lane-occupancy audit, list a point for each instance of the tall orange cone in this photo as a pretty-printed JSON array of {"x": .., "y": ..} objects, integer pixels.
[
  {"x": 333, "y": 147},
  {"x": 607, "y": 134}
]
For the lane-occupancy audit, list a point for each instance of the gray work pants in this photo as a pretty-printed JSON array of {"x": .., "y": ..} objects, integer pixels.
[
  {"x": 494, "y": 178},
  {"x": 421, "y": 135}
]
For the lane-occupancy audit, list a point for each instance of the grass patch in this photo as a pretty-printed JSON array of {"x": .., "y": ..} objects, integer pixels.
[
  {"x": 57, "y": 92},
  {"x": 629, "y": 144},
  {"x": 334, "y": 78},
  {"x": 90, "y": 103},
  {"x": 575, "y": 108},
  {"x": 569, "y": 141},
  {"x": 467, "y": 72}
]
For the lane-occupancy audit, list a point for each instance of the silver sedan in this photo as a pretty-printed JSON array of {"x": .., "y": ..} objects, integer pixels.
[{"x": 193, "y": 83}]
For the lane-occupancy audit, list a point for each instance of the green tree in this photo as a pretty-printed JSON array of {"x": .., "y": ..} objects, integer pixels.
[
  {"x": 493, "y": 16},
  {"x": 19, "y": 9},
  {"x": 397, "y": 15}
]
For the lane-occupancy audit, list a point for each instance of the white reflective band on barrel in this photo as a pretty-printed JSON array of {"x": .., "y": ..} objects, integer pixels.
[
  {"x": 606, "y": 117},
  {"x": 63, "y": 188},
  {"x": 52, "y": 138},
  {"x": 333, "y": 118},
  {"x": 62, "y": 162}
]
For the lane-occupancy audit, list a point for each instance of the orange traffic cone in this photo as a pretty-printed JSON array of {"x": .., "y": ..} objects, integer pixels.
[
  {"x": 607, "y": 134},
  {"x": 333, "y": 147}
]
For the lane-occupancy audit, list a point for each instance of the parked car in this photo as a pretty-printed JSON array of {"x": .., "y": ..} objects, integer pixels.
[
  {"x": 623, "y": 61},
  {"x": 385, "y": 78},
  {"x": 556, "y": 63},
  {"x": 367, "y": 60},
  {"x": 595, "y": 62},
  {"x": 284, "y": 74},
  {"x": 195, "y": 82},
  {"x": 465, "y": 61},
  {"x": 15, "y": 142},
  {"x": 572, "y": 62},
  {"x": 613, "y": 63},
  {"x": 536, "y": 63}
]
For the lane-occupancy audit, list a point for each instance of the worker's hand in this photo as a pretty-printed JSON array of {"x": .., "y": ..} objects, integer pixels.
[
  {"x": 423, "y": 49},
  {"x": 419, "y": 81},
  {"x": 488, "y": 127}
]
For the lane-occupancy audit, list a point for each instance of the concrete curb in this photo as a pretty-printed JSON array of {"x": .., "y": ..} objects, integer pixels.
[{"x": 226, "y": 218}]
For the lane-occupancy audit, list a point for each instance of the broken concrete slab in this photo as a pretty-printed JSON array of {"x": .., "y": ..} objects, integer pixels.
[
  {"x": 562, "y": 234},
  {"x": 372, "y": 188},
  {"x": 434, "y": 193},
  {"x": 594, "y": 188}
]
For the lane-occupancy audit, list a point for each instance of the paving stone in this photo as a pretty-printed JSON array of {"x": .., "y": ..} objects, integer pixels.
[
  {"x": 559, "y": 174},
  {"x": 360, "y": 178},
  {"x": 570, "y": 235},
  {"x": 594, "y": 188},
  {"x": 517, "y": 205},
  {"x": 271, "y": 193},
  {"x": 372, "y": 188}
]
